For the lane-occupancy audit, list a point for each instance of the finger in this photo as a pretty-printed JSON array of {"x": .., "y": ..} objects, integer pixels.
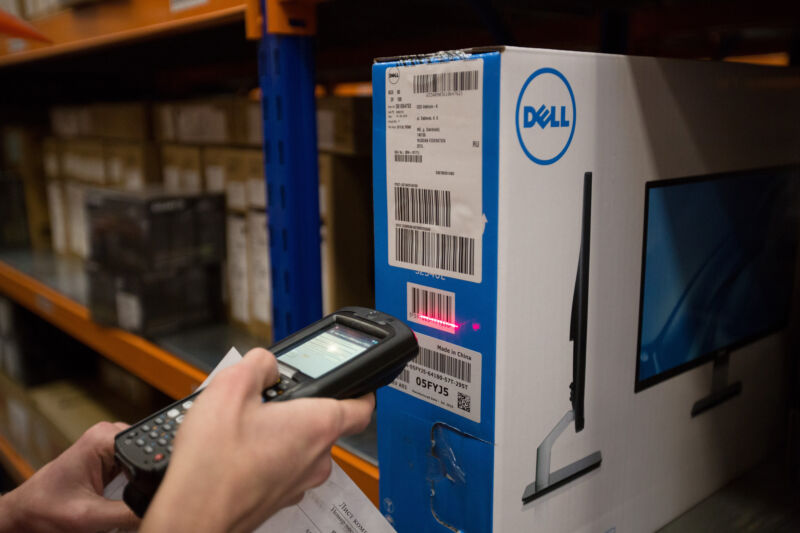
[
  {"x": 98, "y": 444},
  {"x": 356, "y": 414},
  {"x": 106, "y": 515},
  {"x": 262, "y": 366},
  {"x": 121, "y": 426}
]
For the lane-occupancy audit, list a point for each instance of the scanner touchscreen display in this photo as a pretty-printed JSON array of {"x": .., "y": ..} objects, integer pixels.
[{"x": 327, "y": 350}]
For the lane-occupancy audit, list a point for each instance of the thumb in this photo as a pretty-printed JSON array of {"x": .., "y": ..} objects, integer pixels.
[{"x": 106, "y": 515}]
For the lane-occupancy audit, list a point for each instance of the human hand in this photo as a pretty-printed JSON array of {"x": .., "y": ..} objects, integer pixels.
[
  {"x": 67, "y": 493},
  {"x": 237, "y": 460}
]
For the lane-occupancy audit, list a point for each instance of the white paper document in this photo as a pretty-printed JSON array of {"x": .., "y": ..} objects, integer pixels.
[{"x": 336, "y": 506}]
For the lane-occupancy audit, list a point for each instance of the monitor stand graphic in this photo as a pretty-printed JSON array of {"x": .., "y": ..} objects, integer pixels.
[
  {"x": 721, "y": 390},
  {"x": 547, "y": 481}
]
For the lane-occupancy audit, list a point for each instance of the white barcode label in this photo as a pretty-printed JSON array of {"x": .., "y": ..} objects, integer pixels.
[
  {"x": 431, "y": 307},
  {"x": 446, "y": 375},
  {"x": 422, "y": 206},
  {"x": 443, "y": 252},
  {"x": 446, "y": 82},
  {"x": 434, "y": 161}
]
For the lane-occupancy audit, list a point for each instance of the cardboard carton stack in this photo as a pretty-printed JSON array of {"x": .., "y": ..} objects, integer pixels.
[
  {"x": 24, "y": 219},
  {"x": 345, "y": 198},
  {"x": 214, "y": 145}
]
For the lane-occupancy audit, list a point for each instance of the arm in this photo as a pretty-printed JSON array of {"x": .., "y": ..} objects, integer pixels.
[{"x": 237, "y": 460}]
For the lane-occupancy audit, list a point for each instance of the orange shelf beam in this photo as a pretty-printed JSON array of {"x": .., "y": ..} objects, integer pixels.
[
  {"x": 363, "y": 473},
  {"x": 107, "y": 23},
  {"x": 17, "y": 467},
  {"x": 153, "y": 364}
]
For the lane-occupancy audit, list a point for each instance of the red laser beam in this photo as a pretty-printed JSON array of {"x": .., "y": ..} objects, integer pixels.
[{"x": 438, "y": 321}]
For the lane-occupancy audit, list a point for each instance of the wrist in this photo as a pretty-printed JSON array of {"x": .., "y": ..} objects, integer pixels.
[
  {"x": 170, "y": 511},
  {"x": 10, "y": 519}
]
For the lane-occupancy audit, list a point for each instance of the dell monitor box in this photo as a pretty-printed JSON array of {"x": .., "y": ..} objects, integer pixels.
[{"x": 597, "y": 256}]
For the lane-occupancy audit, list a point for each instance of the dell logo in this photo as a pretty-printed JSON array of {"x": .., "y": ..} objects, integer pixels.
[{"x": 546, "y": 115}]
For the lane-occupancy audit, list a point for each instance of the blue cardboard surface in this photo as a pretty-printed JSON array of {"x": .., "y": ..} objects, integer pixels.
[{"x": 437, "y": 466}]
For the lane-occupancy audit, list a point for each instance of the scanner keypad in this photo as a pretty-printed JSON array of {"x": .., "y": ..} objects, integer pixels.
[
  {"x": 284, "y": 384},
  {"x": 154, "y": 437}
]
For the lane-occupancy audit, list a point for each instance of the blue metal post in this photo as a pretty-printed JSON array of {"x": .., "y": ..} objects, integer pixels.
[{"x": 286, "y": 76}]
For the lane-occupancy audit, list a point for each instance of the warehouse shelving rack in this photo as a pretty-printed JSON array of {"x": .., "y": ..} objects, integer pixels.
[{"x": 286, "y": 76}]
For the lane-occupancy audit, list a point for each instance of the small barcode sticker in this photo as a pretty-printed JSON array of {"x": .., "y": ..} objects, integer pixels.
[
  {"x": 404, "y": 157},
  {"x": 437, "y": 250},
  {"x": 446, "y": 375},
  {"x": 446, "y": 82},
  {"x": 422, "y": 206},
  {"x": 431, "y": 307}
]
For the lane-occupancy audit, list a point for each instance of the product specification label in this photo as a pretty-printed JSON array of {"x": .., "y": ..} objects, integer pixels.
[
  {"x": 434, "y": 126},
  {"x": 446, "y": 375}
]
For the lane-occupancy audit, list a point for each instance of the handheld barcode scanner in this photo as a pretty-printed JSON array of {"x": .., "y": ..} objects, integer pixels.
[{"x": 345, "y": 355}]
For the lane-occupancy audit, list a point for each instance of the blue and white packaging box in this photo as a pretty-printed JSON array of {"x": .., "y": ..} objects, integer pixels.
[{"x": 480, "y": 158}]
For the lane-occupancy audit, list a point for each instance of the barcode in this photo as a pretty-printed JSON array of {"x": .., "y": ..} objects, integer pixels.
[
  {"x": 422, "y": 206},
  {"x": 432, "y": 304},
  {"x": 445, "y": 82},
  {"x": 446, "y": 364},
  {"x": 403, "y": 376},
  {"x": 408, "y": 158},
  {"x": 436, "y": 250}
]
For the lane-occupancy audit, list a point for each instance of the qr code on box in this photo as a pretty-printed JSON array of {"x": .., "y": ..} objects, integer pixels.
[{"x": 464, "y": 402}]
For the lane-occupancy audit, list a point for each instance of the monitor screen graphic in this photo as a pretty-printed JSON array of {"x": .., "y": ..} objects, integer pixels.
[{"x": 718, "y": 267}]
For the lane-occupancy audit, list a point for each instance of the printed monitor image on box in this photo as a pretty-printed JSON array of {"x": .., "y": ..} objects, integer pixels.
[{"x": 575, "y": 238}]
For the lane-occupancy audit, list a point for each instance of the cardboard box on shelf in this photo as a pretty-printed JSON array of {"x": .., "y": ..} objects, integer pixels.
[
  {"x": 259, "y": 274},
  {"x": 30, "y": 434},
  {"x": 56, "y": 205},
  {"x": 73, "y": 121},
  {"x": 131, "y": 165},
  {"x": 557, "y": 227},
  {"x": 256, "y": 179},
  {"x": 344, "y": 124},
  {"x": 236, "y": 180},
  {"x": 214, "y": 169},
  {"x": 237, "y": 270},
  {"x": 347, "y": 240},
  {"x": 182, "y": 168},
  {"x": 205, "y": 121},
  {"x": 125, "y": 121},
  {"x": 164, "y": 122},
  {"x": 249, "y": 122},
  {"x": 83, "y": 161},
  {"x": 22, "y": 154},
  {"x": 72, "y": 407},
  {"x": 77, "y": 231},
  {"x": 51, "y": 158}
]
